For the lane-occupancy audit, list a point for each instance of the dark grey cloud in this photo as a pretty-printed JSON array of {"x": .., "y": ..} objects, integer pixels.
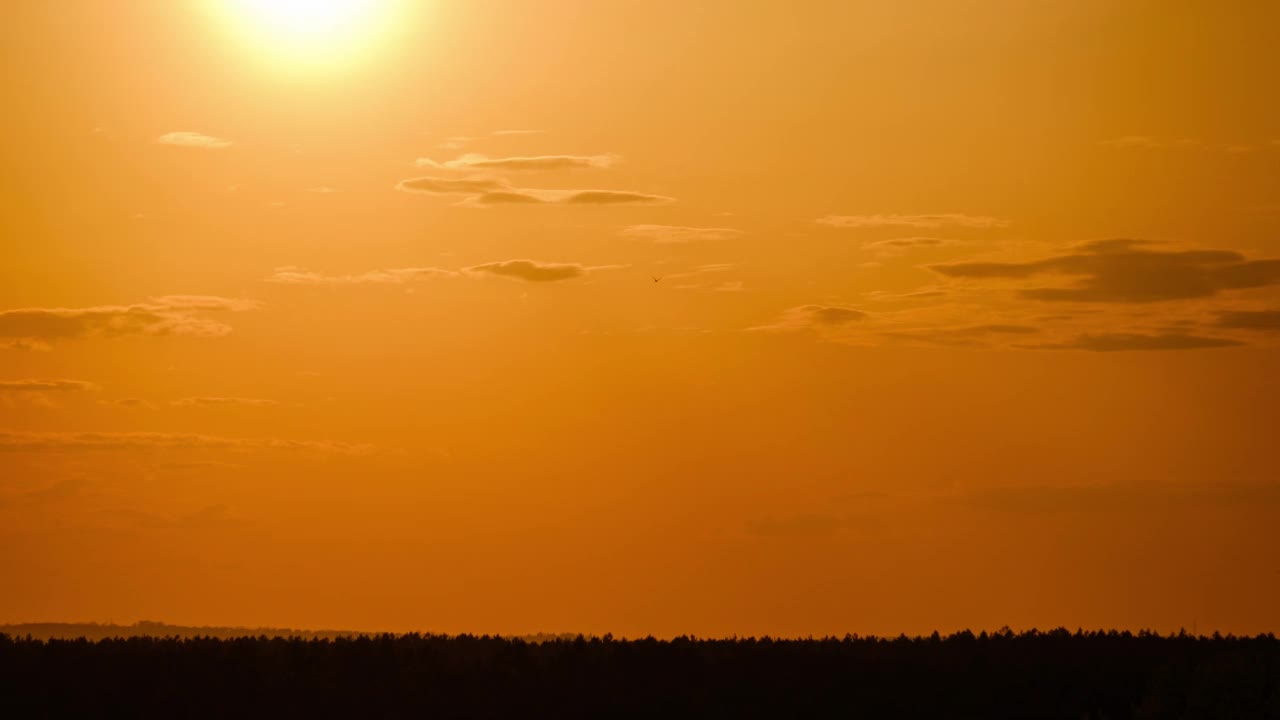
[
  {"x": 1127, "y": 271},
  {"x": 531, "y": 270}
]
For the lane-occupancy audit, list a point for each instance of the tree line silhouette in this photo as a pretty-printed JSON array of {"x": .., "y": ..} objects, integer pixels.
[{"x": 1055, "y": 674}]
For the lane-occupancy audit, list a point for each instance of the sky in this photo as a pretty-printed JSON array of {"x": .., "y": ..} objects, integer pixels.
[{"x": 661, "y": 317}]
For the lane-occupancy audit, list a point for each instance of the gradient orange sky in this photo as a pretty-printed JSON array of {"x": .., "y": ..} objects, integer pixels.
[{"x": 968, "y": 315}]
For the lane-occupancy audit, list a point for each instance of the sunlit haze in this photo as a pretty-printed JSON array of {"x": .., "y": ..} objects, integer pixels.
[{"x": 674, "y": 316}]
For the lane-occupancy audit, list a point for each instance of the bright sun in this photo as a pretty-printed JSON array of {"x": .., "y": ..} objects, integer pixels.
[
  {"x": 313, "y": 32},
  {"x": 308, "y": 17}
]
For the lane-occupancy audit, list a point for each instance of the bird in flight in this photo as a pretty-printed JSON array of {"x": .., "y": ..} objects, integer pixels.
[{"x": 656, "y": 278}]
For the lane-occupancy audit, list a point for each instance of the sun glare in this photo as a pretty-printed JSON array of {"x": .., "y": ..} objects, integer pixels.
[{"x": 310, "y": 32}]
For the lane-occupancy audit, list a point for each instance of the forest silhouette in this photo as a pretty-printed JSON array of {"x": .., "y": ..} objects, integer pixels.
[{"x": 1054, "y": 674}]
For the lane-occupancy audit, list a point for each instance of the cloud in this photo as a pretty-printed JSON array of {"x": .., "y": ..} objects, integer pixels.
[
  {"x": 915, "y": 221},
  {"x": 531, "y": 271},
  {"x": 59, "y": 490},
  {"x": 168, "y": 315},
  {"x": 828, "y": 315},
  {"x": 967, "y": 336},
  {"x": 816, "y": 317},
  {"x": 17, "y": 441},
  {"x": 129, "y": 403},
  {"x": 194, "y": 140},
  {"x": 43, "y": 386},
  {"x": 1120, "y": 496},
  {"x": 504, "y": 197},
  {"x": 1249, "y": 319},
  {"x": 612, "y": 197},
  {"x": 1133, "y": 141},
  {"x": 25, "y": 345},
  {"x": 205, "y": 402},
  {"x": 702, "y": 270},
  {"x": 209, "y": 518},
  {"x": 488, "y": 192},
  {"x": 536, "y": 163},
  {"x": 1124, "y": 271},
  {"x": 1121, "y": 342},
  {"x": 905, "y": 243},
  {"x": 885, "y": 296},
  {"x": 394, "y": 276},
  {"x": 676, "y": 234},
  {"x": 457, "y": 142},
  {"x": 451, "y": 186},
  {"x": 1148, "y": 142},
  {"x": 205, "y": 302}
]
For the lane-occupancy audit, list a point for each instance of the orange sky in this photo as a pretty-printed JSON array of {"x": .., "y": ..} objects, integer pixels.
[{"x": 968, "y": 315}]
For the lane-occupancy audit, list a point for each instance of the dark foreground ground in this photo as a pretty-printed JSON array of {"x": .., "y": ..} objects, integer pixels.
[{"x": 1033, "y": 675}]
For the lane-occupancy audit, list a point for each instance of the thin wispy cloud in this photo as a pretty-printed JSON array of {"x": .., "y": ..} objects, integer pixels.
[
  {"x": 44, "y": 386},
  {"x": 531, "y": 270},
  {"x": 700, "y": 270},
  {"x": 496, "y": 192},
  {"x": 906, "y": 243},
  {"x": 677, "y": 234},
  {"x": 1121, "y": 342},
  {"x": 1126, "y": 271},
  {"x": 18, "y": 441},
  {"x": 452, "y": 186},
  {"x": 168, "y": 315},
  {"x": 964, "y": 336},
  {"x": 527, "y": 196},
  {"x": 608, "y": 197},
  {"x": 131, "y": 403},
  {"x": 1146, "y": 142},
  {"x": 196, "y": 140},
  {"x": 457, "y": 142},
  {"x": 534, "y": 163},
  {"x": 393, "y": 276},
  {"x": 913, "y": 221},
  {"x": 806, "y": 317},
  {"x": 1249, "y": 319},
  {"x": 215, "y": 401}
]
